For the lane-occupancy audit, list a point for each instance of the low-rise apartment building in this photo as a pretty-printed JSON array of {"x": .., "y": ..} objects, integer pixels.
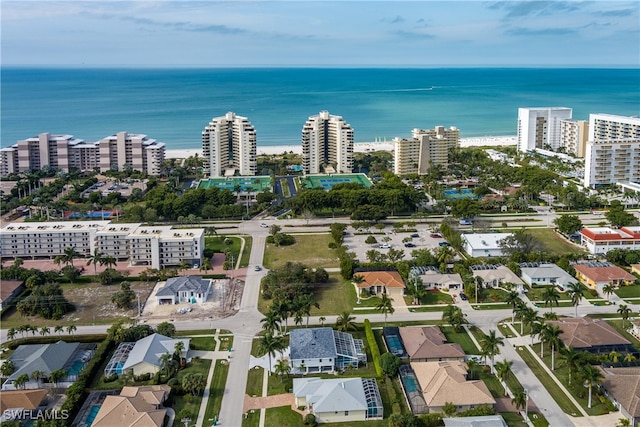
[
  {"x": 600, "y": 240},
  {"x": 154, "y": 246}
]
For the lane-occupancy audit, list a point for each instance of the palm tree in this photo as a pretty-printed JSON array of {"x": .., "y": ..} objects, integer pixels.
[
  {"x": 178, "y": 348},
  {"x": 550, "y": 297},
  {"x": 37, "y": 375},
  {"x": 282, "y": 368},
  {"x": 608, "y": 290},
  {"x": 109, "y": 261},
  {"x": 322, "y": 319},
  {"x": 45, "y": 330},
  {"x": 551, "y": 335},
  {"x": 11, "y": 333},
  {"x": 7, "y": 368},
  {"x": 71, "y": 329},
  {"x": 270, "y": 322},
  {"x": 572, "y": 359},
  {"x": 95, "y": 258},
  {"x": 21, "y": 381},
  {"x": 304, "y": 304},
  {"x": 629, "y": 357},
  {"x": 624, "y": 311},
  {"x": 575, "y": 293},
  {"x": 269, "y": 345},
  {"x": 623, "y": 422},
  {"x": 69, "y": 255},
  {"x": 472, "y": 366},
  {"x": 166, "y": 362},
  {"x": 513, "y": 299},
  {"x": 614, "y": 356},
  {"x": 345, "y": 322},
  {"x": 385, "y": 306},
  {"x": 56, "y": 376},
  {"x": 592, "y": 377},
  {"x": 206, "y": 265},
  {"x": 503, "y": 370},
  {"x": 519, "y": 400},
  {"x": 491, "y": 344},
  {"x": 283, "y": 309},
  {"x": 59, "y": 329}
]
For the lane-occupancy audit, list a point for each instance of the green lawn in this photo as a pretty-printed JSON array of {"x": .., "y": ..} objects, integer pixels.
[
  {"x": 628, "y": 291},
  {"x": 189, "y": 405},
  {"x": 251, "y": 418},
  {"x": 309, "y": 249},
  {"x": 334, "y": 297},
  {"x": 217, "y": 389},
  {"x": 617, "y": 325},
  {"x": 493, "y": 383},
  {"x": 203, "y": 343},
  {"x": 254, "y": 381},
  {"x": 282, "y": 417},
  {"x": 216, "y": 243},
  {"x": 461, "y": 338},
  {"x": 558, "y": 395},
  {"x": 432, "y": 298},
  {"x": 576, "y": 389},
  {"x": 493, "y": 295},
  {"x": 553, "y": 243}
]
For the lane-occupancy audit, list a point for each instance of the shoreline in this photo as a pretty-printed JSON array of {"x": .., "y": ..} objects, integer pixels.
[{"x": 358, "y": 147}]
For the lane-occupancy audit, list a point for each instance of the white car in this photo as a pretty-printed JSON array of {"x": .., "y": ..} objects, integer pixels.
[
  {"x": 385, "y": 246},
  {"x": 263, "y": 225}
]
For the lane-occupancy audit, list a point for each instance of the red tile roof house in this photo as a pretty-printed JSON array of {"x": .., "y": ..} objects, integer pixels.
[
  {"x": 382, "y": 282},
  {"x": 428, "y": 344},
  {"x": 600, "y": 240},
  {"x": 596, "y": 275},
  {"x": 593, "y": 335},
  {"x": 622, "y": 386}
]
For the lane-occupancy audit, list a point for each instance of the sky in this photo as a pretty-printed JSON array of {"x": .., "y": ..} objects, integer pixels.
[{"x": 351, "y": 33}]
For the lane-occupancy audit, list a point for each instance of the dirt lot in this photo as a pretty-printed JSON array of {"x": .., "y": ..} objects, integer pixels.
[{"x": 224, "y": 291}]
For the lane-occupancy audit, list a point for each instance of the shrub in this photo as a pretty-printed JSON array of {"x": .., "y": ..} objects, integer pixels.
[
  {"x": 310, "y": 420},
  {"x": 143, "y": 377},
  {"x": 110, "y": 378},
  {"x": 373, "y": 347},
  {"x": 370, "y": 240}
]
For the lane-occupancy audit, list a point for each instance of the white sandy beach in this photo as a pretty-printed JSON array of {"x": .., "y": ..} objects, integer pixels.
[{"x": 359, "y": 147}]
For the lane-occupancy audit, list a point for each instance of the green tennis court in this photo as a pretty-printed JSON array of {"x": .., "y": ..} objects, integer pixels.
[
  {"x": 246, "y": 183},
  {"x": 328, "y": 181}
]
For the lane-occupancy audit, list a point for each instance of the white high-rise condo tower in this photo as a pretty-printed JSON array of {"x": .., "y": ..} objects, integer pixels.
[
  {"x": 612, "y": 154},
  {"x": 229, "y": 146},
  {"x": 539, "y": 128},
  {"x": 426, "y": 148},
  {"x": 327, "y": 142}
]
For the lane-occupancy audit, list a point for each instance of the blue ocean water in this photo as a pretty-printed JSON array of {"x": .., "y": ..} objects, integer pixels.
[{"x": 174, "y": 105}]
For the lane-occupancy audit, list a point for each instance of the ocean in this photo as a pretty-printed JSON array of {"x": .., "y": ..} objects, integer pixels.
[{"x": 174, "y": 105}]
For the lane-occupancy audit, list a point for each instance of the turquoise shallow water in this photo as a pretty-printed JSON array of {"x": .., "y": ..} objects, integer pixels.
[{"x": 174, "y": 105}]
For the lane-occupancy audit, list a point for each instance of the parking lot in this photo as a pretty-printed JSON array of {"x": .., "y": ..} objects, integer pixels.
[{"x": 390, "y": 238}]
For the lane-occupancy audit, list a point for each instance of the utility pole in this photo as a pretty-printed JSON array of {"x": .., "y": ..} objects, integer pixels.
[{"x": 139, "y": 308}]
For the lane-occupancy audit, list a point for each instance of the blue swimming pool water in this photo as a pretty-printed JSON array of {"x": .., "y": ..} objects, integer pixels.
[
  {"x": 395, "y": 346},
  {"x": 91, "y": 415},
  {"x": 75, "y": 368},
  {"x": 410, "y": 384}
]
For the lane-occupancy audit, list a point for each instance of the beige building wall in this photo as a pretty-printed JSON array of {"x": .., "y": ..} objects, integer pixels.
[
  {"x": 340, "y": 417},
  {"x": 573, "y": 136},
  {"x": 425, "y": 148}
]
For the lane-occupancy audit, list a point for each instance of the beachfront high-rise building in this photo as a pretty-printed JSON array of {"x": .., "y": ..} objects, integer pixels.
[
  {"x": 327, "y": 143},
  {"x": 65, "y": 152},
  {"x": 229, "y": 146},
  {"x": 136, "y": 151},
  {"x": 426, "y": 148},
  {"x": 612, "y": 153},
  {"x": 573, "y": 136},
  {"x": 539, "y": 128}
]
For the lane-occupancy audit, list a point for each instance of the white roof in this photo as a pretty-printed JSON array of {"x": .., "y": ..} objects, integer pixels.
[
  {"x": 485, "y": 241},
  {"x": 331, "y": 395},
  {"x": 62, "y": 226}
]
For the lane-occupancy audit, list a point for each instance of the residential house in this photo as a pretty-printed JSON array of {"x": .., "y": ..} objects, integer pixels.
[
  {"x": 189, "y": 289},
  {"x": 428, "y": 344},
  {"x": 339, "y": 399},
  {"x": 382, "y": 282},
  {"x": 622, "y": 386},
  {"x": 135, "y": 406},
  {"x": 596, "y": 275},
  {"x": 145, "y": 355},
  {"x": 13, "y": 403},
  {"x": 496, "y": 275},
  {"x": 446, "y": 382},
  {"x": 9, "y": 290},
  {"x": 433, "y": 279},
  {"x": 593, "y": 335},
  {"x": 534, "y": 273},
  {"x": 480, "y": 245},
  {"x": 46, "y": 358},
  {"x": 324, "y": 350},
  {"x": 479, "y": 421}
]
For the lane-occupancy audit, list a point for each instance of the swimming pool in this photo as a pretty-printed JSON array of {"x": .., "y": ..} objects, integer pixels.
[
  {"x": 75, "y": 368},
  {"x": 91, "y": 415},
  {"x": 410, "y": 384},
  {"x": 463, "y": 193},
  {"x": 394, "y": 344}
]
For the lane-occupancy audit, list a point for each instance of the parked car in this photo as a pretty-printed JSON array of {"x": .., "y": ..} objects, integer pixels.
[
  {"x": 385, "y": 246},
  {"x": 409, "y": 245},
  {"x": 436, "y": 235},
  {"x": 257, "y": 268},
  {"x": 263, "y": 225},
  {"x": 463, "y": 296},
  {"x": 414, "y": 235},
  {"x": 444, "y": 244}
]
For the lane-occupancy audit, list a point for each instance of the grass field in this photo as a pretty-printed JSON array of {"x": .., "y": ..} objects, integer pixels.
[
  {"x": 553, "y": 243},
  {"x": 216, "y": 391},
  {"x": 92, "y": 302},
  {"x": 432, "y": 298},
  {"x": 461, "y": 338},
  {"x": 216, "y": 243},
  {"x": 628, "y": 291},
  {"x": 309, "y": 249},
  {"x": 188, "y": 402}
]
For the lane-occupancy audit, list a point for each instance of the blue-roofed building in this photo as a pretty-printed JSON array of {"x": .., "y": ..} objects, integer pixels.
[
  {"x": 190, "y": 289},
  {"x": 145, "y": 355},
  {"x": 324, "y": 350}
]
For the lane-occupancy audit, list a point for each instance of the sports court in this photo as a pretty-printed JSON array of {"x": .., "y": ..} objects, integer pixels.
[
  {"x": 457, "y": 194},
  {"x": 246, "y": 183},
  {"x": 328, "y": 181}
]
